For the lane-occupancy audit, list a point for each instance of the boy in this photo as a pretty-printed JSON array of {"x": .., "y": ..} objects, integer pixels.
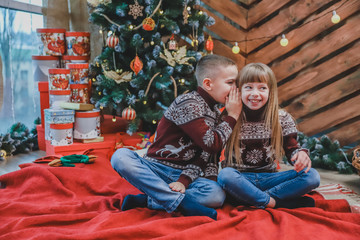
[{"x": 177, "y": 172}]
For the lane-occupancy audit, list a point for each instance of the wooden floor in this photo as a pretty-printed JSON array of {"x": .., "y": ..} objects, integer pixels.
[{"x": 351, "y": 181}]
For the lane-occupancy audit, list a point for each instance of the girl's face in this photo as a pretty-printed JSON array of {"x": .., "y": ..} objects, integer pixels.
[{"x": 255, "y": 94}]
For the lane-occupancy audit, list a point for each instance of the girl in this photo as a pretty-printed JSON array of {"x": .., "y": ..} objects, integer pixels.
[{"x": 263, "y": 134}]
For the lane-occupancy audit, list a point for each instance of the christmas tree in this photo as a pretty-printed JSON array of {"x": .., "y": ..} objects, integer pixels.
[{"x": 150, "y": 50}]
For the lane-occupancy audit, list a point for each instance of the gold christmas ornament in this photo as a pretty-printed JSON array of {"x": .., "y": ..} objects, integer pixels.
[
  {"x": 136, "y": 10},
  {"x": 148, "y": 24},
  {"x": 177, "y": 57},
  {"x": 284, "y": 42},
  {"x": 118, "y": 78}
]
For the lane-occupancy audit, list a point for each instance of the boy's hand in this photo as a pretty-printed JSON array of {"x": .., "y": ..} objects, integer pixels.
[
  {"x": 233, "y": 103},
  {"x": 177, "y": 187},
  {"x": 302, "y": 161}
]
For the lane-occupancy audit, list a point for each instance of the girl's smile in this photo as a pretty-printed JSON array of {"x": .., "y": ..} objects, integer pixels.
[{"x": 255, "y": 95}]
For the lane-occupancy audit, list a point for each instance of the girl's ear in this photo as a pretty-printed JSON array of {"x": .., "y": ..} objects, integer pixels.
[{"x": 207, "y": 84}]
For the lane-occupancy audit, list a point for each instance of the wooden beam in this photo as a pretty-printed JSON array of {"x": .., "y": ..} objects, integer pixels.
[
  {"x": 314, "y": 76},
  {"x": 300, "y": 35},
  {"x": 347, "y": 134},
  {"x": 277, "y": 25},
  {"x": 264, "y": 9},
  {"x": 225, "y": 30},
  {"x": 311, "y": 102},
  {"x": 229, "y": 9},
  {"x": 331, "y": 117},
  {"x": 315, "y": 50}
]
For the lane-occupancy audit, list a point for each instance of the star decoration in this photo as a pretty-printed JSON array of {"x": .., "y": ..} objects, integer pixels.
[{"x": 136, "y": 10}]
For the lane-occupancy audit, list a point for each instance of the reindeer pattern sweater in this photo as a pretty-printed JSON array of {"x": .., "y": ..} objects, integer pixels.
[{"x": 189, "y": 134}]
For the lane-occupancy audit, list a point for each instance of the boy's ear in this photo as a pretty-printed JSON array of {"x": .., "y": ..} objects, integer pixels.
[{"x": 207, "y": 84}]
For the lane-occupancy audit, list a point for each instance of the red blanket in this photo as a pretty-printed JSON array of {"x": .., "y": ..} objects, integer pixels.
[{"x": 82, "y": 202}]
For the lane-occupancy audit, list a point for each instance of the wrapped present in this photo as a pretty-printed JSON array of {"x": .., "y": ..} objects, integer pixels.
[
  {"x": 78, "y": 43},
  {"x": 59, "y": 79},
  {"x": 44, "y": 99},
  {"x": 66, "y": 59},
  {"x": 61, "y": 134},
  {"x": 78, "y": 73},
  {"x": 57, "y": 116},
  {"x": 79, "y": 93},
  {"x": 51, "y": 41},
  {"x": 87, "y": 124},
  {"x": 41, "y": 66},
  {"x": 56, "y": 97}
]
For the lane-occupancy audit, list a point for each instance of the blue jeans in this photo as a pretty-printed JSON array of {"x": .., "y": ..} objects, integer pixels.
[
  {"x": 256, "y": 188},
  {"x": 153, "y": 179}
]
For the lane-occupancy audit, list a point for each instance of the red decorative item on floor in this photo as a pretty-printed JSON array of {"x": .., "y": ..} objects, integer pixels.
[
  {"x": 112, "y": 41},
  {"x": 209, "y": 45},
  {"x": 136, "y": 65},
  {"x": 148, "y": 24},
  {"x": 129, "y": 113}
]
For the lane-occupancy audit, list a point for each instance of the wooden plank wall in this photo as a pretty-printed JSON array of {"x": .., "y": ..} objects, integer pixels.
[{"x": 318, "y": 72}]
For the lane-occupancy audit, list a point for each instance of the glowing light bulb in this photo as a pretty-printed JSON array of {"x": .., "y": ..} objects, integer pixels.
[
  {"x": 154, "y": 121},
  {"x": 114, "y": 119},
  {"x": 335, "y": 18},
  {"x": 235, "y": 49},
  {"x": 94, "y": 79},
  {"x": 144, "y": 102},
  {"x": 152, "y": 43},
  {"x": 161, "y": 12},
  {"x": 131, "y": 27},
  {"x": 200, "y": 12},
  {"x": 99, "y": 93},
  {"x": 100, "y": 31},
  {"x": 284, "y": 42},
  {"x": 101, "y": 107},
  {"x": 188, "y": 8}
]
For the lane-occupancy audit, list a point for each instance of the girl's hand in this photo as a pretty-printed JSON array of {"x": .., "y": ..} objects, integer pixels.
[
  {"x": 233, "y": 103},
  {"x": 302, "y": 161},
  {"x": 177, "y": 187}
]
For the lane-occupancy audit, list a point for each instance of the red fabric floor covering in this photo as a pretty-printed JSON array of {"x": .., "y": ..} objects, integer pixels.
[{"x": 82, "y": 202}]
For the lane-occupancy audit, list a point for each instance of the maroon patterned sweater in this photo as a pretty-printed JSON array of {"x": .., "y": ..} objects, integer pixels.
[
  {"x": 189, "y": 134},
  {"x": 255, "y": 149}
]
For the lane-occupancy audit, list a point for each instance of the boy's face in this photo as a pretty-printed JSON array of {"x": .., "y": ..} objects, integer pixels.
[
  {"x": 255, "y": 95},
  {"x": 221, "y": 84}
]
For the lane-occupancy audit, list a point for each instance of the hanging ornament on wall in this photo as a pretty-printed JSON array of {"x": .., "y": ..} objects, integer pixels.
[
  {"x": 209, "y": 45},
  {"x": 136, "y": 10},
  {"x": 112, "y": 41},
  {"x": 284, "y": 42},
  {"x": 172, "y": 43},
  {"x": 129, "y": 113},
  {"x": 235, "y": 49},
  {"x": 148, "y": 24},
  {"x": 136, "y": 65},
  {"x": 335, "y": 18}
]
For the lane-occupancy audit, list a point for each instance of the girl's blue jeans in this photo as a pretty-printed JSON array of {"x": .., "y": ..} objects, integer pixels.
[
  {"x": 255, "y": 189},
  {"x": 153, "y": 179}
]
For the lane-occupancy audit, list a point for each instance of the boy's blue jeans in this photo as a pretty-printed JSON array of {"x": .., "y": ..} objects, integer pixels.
[
  {"x": 256, "y": 188},
  {"x": 153, "y": 179}
]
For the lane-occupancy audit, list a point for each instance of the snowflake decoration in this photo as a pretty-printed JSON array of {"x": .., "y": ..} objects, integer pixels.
[{"x": 136, "y": 10}]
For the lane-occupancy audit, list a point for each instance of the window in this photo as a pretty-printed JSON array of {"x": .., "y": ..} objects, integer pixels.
[{"x": 19, "y": 97}]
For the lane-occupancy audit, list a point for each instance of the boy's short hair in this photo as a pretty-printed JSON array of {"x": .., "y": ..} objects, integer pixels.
[{"x": 208, "y": 66}]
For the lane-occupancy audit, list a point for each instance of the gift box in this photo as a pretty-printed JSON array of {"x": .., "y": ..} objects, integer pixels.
[
  {"x": 108, "y": 125},
  {"x": 59, "y": 79},
  {"x": 56, "y": 97},
  {"x": 87, "y": 124},
  {"x": 61, "y": 134},
  {"x": 41, "y": 137},
  {"x": 41, "y": 66},
  {"x": 78, "y": 43},
  {"x": 44, "y": 99},
  {"x": 51, "y": 41},
  {"x": 57, "y": 116},
  {"x": 66, "y": 59},
  {"x": 78, "y": 73},
  {"x": 106, "y": 147},
  {"x": 79, "y": 93}
]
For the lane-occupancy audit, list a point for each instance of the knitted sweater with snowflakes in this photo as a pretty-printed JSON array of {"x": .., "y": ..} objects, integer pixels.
[
  {"x": 189, "y": 134},
  {"x": 256, "y": 152}
]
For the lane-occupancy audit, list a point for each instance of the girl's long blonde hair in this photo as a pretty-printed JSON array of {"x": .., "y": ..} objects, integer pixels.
[{"x": 258, "y": 72}]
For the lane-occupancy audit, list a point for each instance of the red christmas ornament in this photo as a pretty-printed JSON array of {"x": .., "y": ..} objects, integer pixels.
[
  {"x": 128, "y": 113},
  {"x": 209, "y": 45},
  {"x": 148, "y": 24},
  {"x": 136, "y": 65},
  {"x": 112, "y": 41}
]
